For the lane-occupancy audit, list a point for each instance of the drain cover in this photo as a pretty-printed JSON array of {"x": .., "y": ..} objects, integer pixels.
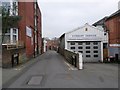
[{"x": 35, "y": 80}]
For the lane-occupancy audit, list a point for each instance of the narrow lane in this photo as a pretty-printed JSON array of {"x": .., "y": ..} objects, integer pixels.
[
  {"x": 51, "y": 65},
  {"x": 52, "y": 72}
]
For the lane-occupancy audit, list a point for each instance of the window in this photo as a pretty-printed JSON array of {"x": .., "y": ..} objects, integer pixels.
[
  {"x": 72, "y": 47},
  {"x": 80, "y": 51},
  {"x": 87, "y": 51},
  {"x": 95, "y": 43},
  {"x": 80, "y": 47},
  {"x": 15, "y": 8},
  {"x": 11, "y": 36},
  {"x": 105, "y": 34},
  {"x": 87, "y": 47},
  {"x": 95, "y": 51},
  {"x": 88, "y": 56},
  {"x": 95, "y": 47},
  {"x": 87, "y": 43},
  {"x": 14, "y": 31},
  {"x": 79, "y": 43},
  {"x": 95, "y": 55},
  {"x": 86, "y": 29},
  {"x": 72, "y": 43},
  {"x": 6, "y": 39},
  {"x": 14, "y": 38}
]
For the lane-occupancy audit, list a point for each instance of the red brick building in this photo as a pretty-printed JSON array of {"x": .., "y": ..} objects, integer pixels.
[
  {"x": 25, "y": 41},
  {"x": 113, "y": 27},
  {"x": 32, "y": 22},
  {"x": 52, "y": 44}
]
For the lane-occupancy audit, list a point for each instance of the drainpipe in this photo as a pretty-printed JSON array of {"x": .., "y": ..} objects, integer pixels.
[
  {"x": 36, "y": 49},
  {"x": 35, "y": 28}
]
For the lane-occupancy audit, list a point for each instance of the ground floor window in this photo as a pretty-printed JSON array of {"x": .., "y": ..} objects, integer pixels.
[
  {"x": 72, "y": 47},
  {"x": 11, "y": 36},
  {"x": 95, "y": 55},
  {"x": 88, "y": 56}
]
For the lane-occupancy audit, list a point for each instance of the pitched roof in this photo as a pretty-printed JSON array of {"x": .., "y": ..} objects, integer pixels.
[
  {"x": 114, "y": 14},
  {"x": 83, "y": 27},
  {"x": 100, "y": 22}
]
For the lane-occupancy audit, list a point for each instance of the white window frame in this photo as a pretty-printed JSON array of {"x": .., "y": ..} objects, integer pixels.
[{"x": 11, "y": 36}]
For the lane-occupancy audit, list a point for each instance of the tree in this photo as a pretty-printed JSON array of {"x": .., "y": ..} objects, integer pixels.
[{"x": 8, "y": 21}]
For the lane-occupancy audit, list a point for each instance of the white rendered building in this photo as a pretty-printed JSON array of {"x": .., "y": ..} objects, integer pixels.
[{"x": 87, "y": 40}]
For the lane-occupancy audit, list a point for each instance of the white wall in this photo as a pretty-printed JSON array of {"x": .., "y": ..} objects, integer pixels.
[
  {"x": 92, "y": 33},
  {"x": 44, "y": 45}
]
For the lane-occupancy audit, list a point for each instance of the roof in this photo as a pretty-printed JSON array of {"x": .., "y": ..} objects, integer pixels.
[
  {"x": 62, "y": 35},
  {"x": 83, "y": 27},
  {"x": 100, "y": 22},
  {"x": 114, "y": 14}
]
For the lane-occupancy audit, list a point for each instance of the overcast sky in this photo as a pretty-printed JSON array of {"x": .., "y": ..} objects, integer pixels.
[{"x": 60, "y": 16}]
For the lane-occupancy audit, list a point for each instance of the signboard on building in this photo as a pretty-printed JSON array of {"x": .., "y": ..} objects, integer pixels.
[
  {"x": 83, "y": 37},
  {"x": 28, "y": 31}
]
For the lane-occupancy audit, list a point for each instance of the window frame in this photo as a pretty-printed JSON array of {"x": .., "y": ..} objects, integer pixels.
[
  {"x": 87, "y": 51},
  {"x": 96, "y": 56},
  {"x": 71, "y": 43},
  {"x": 94, "y": 47},
  {"x": 11, "y": 34},
  {"x": 80, "y": 48},
  {"x": 72, "y": 48},
  {"x": 87, "y": 56},
  {"x": 87, "y": 46},
  {"x": 87, "y": 43},
  {"x": 95, "y": 43}
]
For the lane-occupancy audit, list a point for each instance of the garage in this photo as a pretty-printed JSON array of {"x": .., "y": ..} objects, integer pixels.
[
  {"x": 91, "y": 50},
  {"x": 87, "y": 40}
]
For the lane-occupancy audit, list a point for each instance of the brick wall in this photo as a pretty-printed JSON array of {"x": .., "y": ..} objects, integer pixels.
[
  {"x": 7, "y": 56},
  {"x": 113, "y": 26},
  {"x": 26, "y": 11}
]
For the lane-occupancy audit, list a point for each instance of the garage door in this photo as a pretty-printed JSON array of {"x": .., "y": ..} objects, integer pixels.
[{"x": 91, "y": 50}]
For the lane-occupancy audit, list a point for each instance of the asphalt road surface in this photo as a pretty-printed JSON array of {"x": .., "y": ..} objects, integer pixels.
[{"x": 51, "y": 71}]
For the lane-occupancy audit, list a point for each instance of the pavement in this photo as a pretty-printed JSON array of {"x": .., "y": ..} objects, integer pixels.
[
  {"x": 50, "y": 70},
  {"x": 10, "y": 74}
]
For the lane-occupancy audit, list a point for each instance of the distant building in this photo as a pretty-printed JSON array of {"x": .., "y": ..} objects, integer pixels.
[
  {"x": 113, "y": 28},
  {"x": 52, "y": 44},
  {"x": 44, "y": 45},
  {"x": 87, "y": 40},
  {"x": 25, "y": 41}
]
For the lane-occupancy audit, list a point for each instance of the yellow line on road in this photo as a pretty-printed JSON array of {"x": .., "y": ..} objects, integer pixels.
[{"x": 70, "y": 66}]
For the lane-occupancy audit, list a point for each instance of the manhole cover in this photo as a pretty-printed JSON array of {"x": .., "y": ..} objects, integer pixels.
[{"x": 35, "y": 80}]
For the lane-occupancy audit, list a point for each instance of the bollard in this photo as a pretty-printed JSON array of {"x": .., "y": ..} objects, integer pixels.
[{"x": 80, "y": 61}]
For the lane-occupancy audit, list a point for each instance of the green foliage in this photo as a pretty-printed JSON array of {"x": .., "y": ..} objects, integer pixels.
[{"x": 8, "y": 21}]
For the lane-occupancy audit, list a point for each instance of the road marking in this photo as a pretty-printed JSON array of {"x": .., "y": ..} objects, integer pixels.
[{"x": 70, "y": 66}]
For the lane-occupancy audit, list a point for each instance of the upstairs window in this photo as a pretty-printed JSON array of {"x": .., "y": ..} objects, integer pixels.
[{"x": 72, "y": 43}]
